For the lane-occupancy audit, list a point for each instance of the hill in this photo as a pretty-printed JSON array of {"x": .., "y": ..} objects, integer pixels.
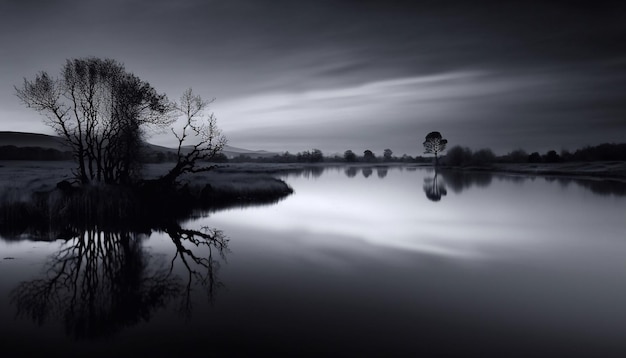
[
  {"x": 228, "y": 151},
  {"x": 21, "y": 140},
  {"x": 44, "y": 141}
]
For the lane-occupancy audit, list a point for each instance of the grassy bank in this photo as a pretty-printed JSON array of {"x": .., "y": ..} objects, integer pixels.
[
  {"x": 243, "y": 180},
  {"x": 615, "y": 170},
  {"x": 31, "y": 203},
  {"x": 247, "y": 179}
]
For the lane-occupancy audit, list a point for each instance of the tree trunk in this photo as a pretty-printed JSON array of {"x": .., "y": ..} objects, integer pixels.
[
  {"x": 81, "y": 167},
  {"x": 174, "y": 173}
]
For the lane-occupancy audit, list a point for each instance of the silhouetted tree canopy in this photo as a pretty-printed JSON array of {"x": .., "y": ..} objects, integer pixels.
[
  {"x": 483, "y": 157},
  {"x": 462, "y": 156},
  {"x": 369, "y": 156},
  {"x": 516, "y": 156},
  {"x": 317, "y": 156},
  {"x": 534, "y": 157},
  {"x": 434, "y": 144},
  {"x": 314, "y": 156},
  {"x": 458, "y": 156},
  {"x": 605, "y": 151},
  {"x": 551, "y": 157},
  {"x": 349, "y": 156},
  {"x": 387, "y": 155}
]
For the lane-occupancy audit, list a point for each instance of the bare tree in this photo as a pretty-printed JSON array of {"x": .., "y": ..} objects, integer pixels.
[
  {"x": 199, "y": 128},
  {"x": 435, "y": 144},
  {"x": 100, "y": 110}
]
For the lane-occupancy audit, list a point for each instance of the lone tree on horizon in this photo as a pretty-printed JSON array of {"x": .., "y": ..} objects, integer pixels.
[{"x": 435, "y": 144}]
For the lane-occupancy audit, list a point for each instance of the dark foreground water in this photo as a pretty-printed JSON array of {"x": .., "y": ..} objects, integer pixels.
[{"x": 358, "y": 262}]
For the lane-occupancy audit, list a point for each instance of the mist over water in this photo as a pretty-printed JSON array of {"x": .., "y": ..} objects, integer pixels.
[{"x": 359, "y": 261}]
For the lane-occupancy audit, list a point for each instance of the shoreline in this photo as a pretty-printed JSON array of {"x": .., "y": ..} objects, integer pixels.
[
  {"x": 42, "y": 175},
  {"x": 609, "y": 170},
  {"x": 29, "y": 191}
]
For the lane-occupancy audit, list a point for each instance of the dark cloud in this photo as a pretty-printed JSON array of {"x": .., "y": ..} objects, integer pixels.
[{"x": 507, "y": 74}]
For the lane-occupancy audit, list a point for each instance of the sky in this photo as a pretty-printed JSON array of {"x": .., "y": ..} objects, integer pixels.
[{"x": 347, "y": 74}]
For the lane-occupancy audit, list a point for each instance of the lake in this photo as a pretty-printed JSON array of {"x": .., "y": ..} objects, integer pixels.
[{"x": 359, "y": 261}]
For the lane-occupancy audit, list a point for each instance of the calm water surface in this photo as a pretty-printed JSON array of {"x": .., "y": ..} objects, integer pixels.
[{"x": 358, "y": 262}]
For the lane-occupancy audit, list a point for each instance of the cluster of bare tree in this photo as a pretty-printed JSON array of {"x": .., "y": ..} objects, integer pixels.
[{"x": 104, "y": 113}]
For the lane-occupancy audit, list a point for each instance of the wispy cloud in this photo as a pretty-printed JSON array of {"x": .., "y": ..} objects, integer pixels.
[
  {"x": 362, "y": 111},
  {"x": 345, "y": 103},
  {"x": 289, "y": 75}
]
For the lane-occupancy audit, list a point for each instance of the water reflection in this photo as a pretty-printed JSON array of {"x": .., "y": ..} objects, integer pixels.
[
  {"x": 351, "y": 172},
  {"x": 445, "y": 272},
  {"x": 460, "y": 181},
  {"x": 100, "y": 282},
  {"x": 102, "y": 279},
  {"x": 45, "y": 216},
  {"x": 600, "y": 187},
  {"x": 434, "y": 187}
]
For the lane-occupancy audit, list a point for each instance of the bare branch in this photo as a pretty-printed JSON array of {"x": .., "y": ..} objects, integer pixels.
[{"x": 200, "y": 128}]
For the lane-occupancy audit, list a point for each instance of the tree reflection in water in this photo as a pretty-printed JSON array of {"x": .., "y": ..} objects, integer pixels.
[
  {"x": 102, "y": 279},
  {"x": 434, "y": 188},
  {"x": 459, "y": 180},
  {"x": 100, "y": 282},
  {"x": 351, "y": 172}
]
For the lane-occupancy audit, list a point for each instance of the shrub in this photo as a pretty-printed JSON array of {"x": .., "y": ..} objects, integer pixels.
[{"x": 458, "y": 156}]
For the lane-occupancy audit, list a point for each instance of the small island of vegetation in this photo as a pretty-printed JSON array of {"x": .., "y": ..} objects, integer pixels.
[{"x": 103, "y": 114}]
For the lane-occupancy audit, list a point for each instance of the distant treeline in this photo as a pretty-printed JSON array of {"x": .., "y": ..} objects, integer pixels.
[
  {"x": 455, "y": 156},
  {"x": 317, "y": 156},
  {"x": 463, "y": 156}
]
